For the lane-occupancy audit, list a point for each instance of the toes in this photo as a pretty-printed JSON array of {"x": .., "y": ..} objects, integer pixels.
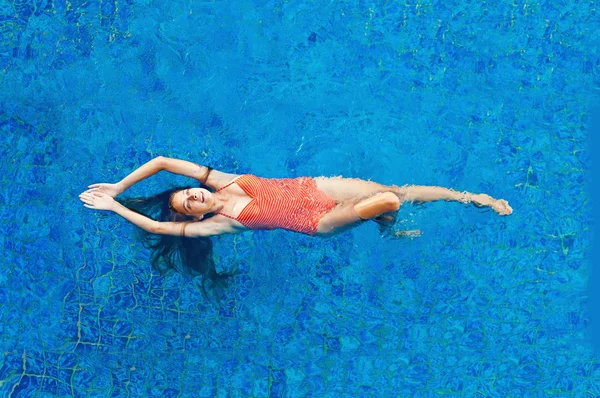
[
  {"x": 507, "y": 207},
  {"x": 502, "y": 207}
]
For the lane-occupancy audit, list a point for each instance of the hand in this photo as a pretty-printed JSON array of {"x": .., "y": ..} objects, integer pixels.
[
  {"x": 94, "y": 199},
  {"x": 111, "y": 190}
]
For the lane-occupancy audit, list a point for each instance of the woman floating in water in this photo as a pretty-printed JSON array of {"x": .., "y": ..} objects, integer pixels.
[
  {"x": 314, "y": 206},
  {"x": 230, "y": 203}
]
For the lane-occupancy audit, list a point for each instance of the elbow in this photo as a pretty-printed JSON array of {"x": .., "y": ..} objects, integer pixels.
[
  {"x": 389, "y": 203},
  {"x": 390, "y": 200},
  {"x": 160, "y": 160},
  {"x": 156, "y": 228}
]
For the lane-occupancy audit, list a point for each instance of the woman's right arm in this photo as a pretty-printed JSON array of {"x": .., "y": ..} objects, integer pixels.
[{"x": 175, "y": 166}]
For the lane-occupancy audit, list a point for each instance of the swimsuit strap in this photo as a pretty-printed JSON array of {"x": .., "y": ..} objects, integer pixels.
[
  {"x": 227, "y": 215},
  {"x": 230, "y": 182}
]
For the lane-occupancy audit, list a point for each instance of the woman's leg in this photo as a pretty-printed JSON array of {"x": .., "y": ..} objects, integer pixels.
[
  {"x": 353, "y": 190},
  {"x": 339, "y": 219},
  {"x": 349, "y": 214},
  {"x": 422, "y": 194},
  {"x": 362, "y": 200},
  {"x": 376, "y": 205}
]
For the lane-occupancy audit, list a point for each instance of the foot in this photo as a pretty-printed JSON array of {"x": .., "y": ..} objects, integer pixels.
[{"x": 502, "y": 208}]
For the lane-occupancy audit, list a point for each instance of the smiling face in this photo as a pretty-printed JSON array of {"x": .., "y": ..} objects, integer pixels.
[{"x": 192, "y": 201}]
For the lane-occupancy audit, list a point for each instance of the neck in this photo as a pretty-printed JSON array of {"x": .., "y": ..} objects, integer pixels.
[{"x": 220, "y": 200}]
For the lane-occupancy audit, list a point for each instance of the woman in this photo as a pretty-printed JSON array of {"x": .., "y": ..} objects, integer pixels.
[
  {"x": 315, "y": 206},
  {"x": 230, "y": 203}
]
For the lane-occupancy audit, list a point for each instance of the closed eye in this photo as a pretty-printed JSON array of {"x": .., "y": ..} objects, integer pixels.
[{"x": 188, "y": 202}]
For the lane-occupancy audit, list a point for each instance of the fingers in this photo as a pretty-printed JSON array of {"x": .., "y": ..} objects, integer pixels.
[
  {"x": 94, "y": 191},
  {"x": 85, "y": 198},
  {"x": 89, "y": 197}
]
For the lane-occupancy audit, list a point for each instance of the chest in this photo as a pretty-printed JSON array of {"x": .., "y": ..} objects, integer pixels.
[{"x": 238, "y": 204}]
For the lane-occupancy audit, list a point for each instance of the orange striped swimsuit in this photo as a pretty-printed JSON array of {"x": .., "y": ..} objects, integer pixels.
[{"x": 295, "y": 204}]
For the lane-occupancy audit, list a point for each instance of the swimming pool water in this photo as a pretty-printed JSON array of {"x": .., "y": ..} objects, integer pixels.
[{"x": 481, "y": 96}]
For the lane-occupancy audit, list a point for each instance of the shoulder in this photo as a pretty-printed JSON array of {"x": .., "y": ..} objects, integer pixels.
[{"x": 217, "y": 179}]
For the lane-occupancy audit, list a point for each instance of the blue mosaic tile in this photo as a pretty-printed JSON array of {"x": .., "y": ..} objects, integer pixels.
[{"x": 488, "y": 98}]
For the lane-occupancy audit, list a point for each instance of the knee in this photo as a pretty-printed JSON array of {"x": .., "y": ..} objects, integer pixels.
[
  {"x": 381, "y": 203},
  {"x": 390, "y": 200}
]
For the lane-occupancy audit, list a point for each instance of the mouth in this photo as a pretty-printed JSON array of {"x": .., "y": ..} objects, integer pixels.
[{"x": 202, "y": 197}]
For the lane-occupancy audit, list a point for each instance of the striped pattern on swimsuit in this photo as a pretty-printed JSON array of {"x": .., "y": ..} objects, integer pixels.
[{"x": 295, "y": 204}]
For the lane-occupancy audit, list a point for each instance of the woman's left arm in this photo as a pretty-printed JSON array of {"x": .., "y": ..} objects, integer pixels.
[{"x": 94, "y": 199}]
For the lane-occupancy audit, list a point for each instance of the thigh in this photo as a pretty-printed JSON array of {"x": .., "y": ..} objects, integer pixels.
[
  {"x": 351, "y": 190},
  {"x": 342, "y": 217}
]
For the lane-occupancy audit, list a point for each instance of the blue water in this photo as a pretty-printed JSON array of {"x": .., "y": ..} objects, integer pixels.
[{"x": 487, "y": 97}]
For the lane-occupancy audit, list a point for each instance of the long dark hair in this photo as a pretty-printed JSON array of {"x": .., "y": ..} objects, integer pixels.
[{"x": 190, "y": 256}]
